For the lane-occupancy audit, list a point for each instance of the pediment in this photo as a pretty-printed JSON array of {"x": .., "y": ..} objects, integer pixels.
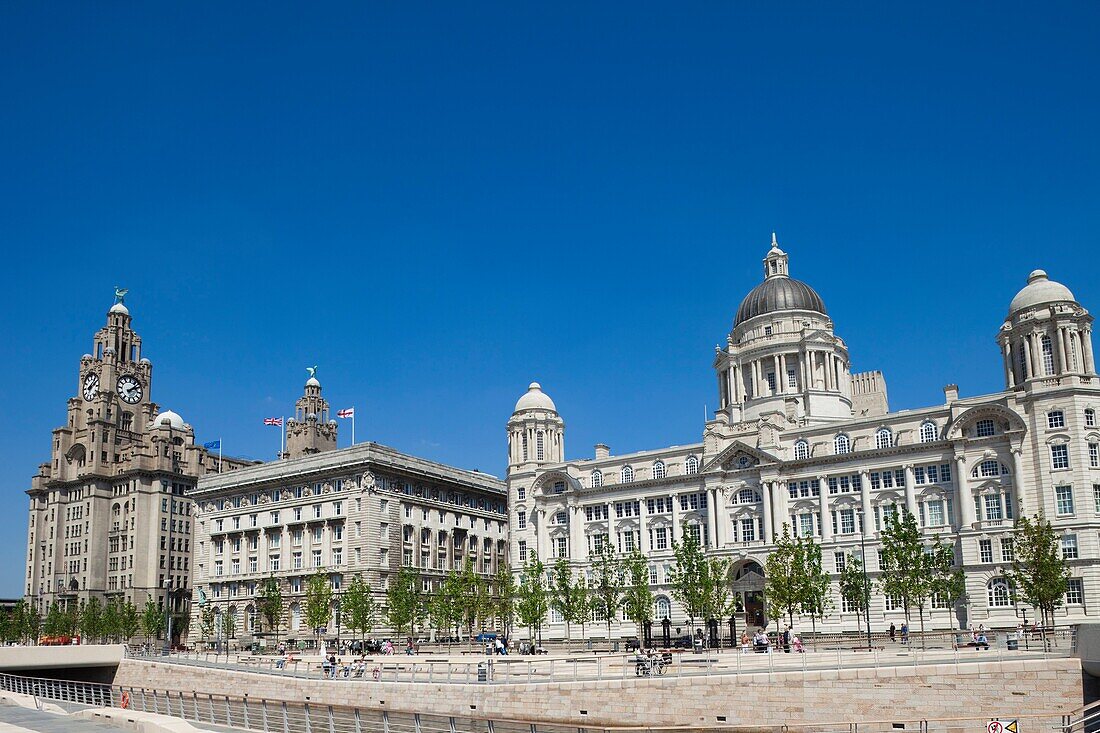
[{"x": 740, "y": 456}]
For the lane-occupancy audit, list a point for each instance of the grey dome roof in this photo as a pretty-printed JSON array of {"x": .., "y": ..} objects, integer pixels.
[
  {"x": 779, "y": 294},
  {"x": 1040, "y": 290}
]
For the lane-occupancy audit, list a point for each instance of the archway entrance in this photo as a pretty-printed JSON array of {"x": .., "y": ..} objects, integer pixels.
[{"x": 748, "y": 587}]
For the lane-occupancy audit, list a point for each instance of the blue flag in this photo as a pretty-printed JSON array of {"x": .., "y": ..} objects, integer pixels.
[{"x": 213, "y": 445}]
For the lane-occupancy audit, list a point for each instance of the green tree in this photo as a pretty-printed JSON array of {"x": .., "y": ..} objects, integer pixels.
[
  {"x": 112, "y": 619},
  {"x": 229, "y": 626},
  {"x": 473, "y": 597},
  {"x": 718, "y": 600},
  {"x": 129, "y": 623},
  {"x": 566, "y": 594},
  {"x": 606, "y": 591},
  {"x": 948, "y": 582},
  {"x": 56, "y": 622},
  {"x": 360, "y": 607},
  {"x": 318, "y": 609},
  {"x": 91, "y": 620},
  {"x": 783, "y": 575},
  {"x": 504, "y": 598},
  {"x": 939, "y": 561},
  {"x": 207, "y": 621},
  {"x": 31, "y": 624},
  {"x": 270, "y": 605},
  {"x": 814, "y": 596},
  {"x": 906, "y": 573},
  {"x": 152, "y": 618},
  {"x": 532, "y": 602},
  {"x": 688, "y": 577},
  {"x": 855, "y": 587},
  {"x": 404, "y": 607},
  {"x": 1039, "y": 575},
  {"x": 638, "y": 598}
]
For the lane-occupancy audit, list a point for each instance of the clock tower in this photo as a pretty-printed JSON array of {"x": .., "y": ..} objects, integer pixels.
[{"x": 109, "y": 515}]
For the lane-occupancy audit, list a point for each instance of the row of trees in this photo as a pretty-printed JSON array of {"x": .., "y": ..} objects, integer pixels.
[{"x": 94, "y": 621}]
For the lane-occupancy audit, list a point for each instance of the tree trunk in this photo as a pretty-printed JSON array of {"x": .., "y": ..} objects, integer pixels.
[{"x": 920, "y": 610}]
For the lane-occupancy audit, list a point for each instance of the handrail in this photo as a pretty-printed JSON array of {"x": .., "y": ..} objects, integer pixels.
[{"x": 1069, "y": 725}]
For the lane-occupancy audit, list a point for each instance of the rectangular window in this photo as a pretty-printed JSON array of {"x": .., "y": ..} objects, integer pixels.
[
  {"x": 1096, "y": 496},
  {"x": 985, "y": 550},
  {"x": 847, "y": 521},
  {"x": 1059, "y": 456},
  {"x": 806, "y": 525},
  {"x": 771, "y": 382},
  {"x": 1075, "y": 592},
  {"x": 316, "y": 558},
  {"x": 984, "y": 428},
  {"x": 839, "y": 561},
  {"x": 992, "y": 507},
  {"x": 296, "y": 560},
  {"x": 1063, "y": 500},
  {"x": 1094, "y": 455},
  {"x": 1069, "y": 547},
  {"x": 748, "y": 530},
  {"x": 934, "y": 511},
  {"x": 562, "y": 547},
  {"x": 918, "y": 475},
  {"x": 792, "y": 379},
  {"x": 1090, "y": 418},
  {"x": 662, "y": 538},
  {"x": 523, "y": 551},
  {"x": 521, "y": 520},
  {"x": 273, "y": 563},
  {"x": 1008, "y": 550},
  {"x": 1056, "y": 419}
]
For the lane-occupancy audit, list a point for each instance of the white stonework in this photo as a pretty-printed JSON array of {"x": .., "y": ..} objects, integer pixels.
[
  {"x": 367, "y": 510},
  {"x": 109, "y": 515},
  {"x": 799, "y": 439}
]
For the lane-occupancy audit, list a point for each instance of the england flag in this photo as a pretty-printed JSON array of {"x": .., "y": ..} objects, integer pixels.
[{"x": 348, "y": 412}]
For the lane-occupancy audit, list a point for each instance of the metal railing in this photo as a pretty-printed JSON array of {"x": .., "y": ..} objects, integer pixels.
[
  {"x": 81, "y": 693},
  {"x": 540, "y": 669}
]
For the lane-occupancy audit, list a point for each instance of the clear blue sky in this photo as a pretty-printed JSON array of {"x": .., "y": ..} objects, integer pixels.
[{"x": 438, "y": 203}]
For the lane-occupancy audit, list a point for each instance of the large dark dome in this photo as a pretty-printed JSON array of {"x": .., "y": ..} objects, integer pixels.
[{"x": 779, "y": 294}]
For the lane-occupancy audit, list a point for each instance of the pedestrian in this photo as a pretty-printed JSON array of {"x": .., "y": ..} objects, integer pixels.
[
  {"x": 904, "y": 632},
  {"x": 744, "y": 642},
  {"x": 893, "y": 632},
  {"x": 787, "y": 640}
]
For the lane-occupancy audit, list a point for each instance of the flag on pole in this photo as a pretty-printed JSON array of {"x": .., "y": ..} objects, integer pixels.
[
  {"x": 213, "y": 445},
  {"x": 348, "y": 412},
  {"x": 277, "y": 421}
]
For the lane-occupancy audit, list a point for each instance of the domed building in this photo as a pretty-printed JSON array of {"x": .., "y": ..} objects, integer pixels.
[{"x": 800, "y": 444}]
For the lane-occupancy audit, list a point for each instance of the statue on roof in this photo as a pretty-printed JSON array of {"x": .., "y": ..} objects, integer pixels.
[
  {"x": 312, "y": 371},
  {"x": 120, "y": 294}
]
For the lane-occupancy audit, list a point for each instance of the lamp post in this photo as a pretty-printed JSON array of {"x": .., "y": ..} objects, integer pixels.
[
  {"x": 167, "y": 617},
  {"x": 866, "y": 579}
]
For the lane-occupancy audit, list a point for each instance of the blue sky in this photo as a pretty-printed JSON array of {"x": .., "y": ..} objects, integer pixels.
[{"x": 438, "y": 203}]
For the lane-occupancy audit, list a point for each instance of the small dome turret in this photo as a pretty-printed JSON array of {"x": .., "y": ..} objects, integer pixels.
[
  {"x": 535, "y": 399},
  {"x": 1040, "y": 290},
  {"x": 169, "y": 418}
]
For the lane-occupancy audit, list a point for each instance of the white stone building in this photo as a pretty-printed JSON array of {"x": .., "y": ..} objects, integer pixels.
[
  {"x": 799, "y": 439},
  {"x": 367, "y": 509}
]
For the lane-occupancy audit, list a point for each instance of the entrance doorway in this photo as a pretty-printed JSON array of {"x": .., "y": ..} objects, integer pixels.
[{"x": 748, "y": 587}]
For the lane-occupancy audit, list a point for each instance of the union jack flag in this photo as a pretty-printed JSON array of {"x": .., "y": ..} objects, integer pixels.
[{"x": 273, "y": 421}]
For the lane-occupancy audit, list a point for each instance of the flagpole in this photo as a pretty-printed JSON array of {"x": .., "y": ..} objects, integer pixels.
[
  {"x": 282, "y": 436},
  {"x": 219, "y": 455},
  {"x": 353, "y": 424}
]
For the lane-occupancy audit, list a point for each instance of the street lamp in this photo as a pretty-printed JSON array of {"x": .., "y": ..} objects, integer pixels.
[
  {"x": 866, "y": 579},
  {"x": 168, "y": 616}
]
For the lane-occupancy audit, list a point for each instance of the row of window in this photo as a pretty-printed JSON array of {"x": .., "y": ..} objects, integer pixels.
[{"x": 658, "y": 471}]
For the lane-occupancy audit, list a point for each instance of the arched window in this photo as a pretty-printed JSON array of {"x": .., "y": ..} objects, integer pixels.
[
  {"x": 884, "y": 438},
  {"x": 658, "y": 469},
  {"x": 1048, "y": 356},
  {"x": 746, "y": 496},
  {"x": 989, "y": 469},
  {"x": 295, "y": 617},
  {"x": 928, "y": 432},
  {"x": 597, "y": 479},
  {"x": 691, "y": 465},
  {"x": 801, "y": 450},
  {"x": 662, "y": 608},
  {"x": 627, "y": 475},
  {"x": 1000, "y": 593},
  {"x": 842, "y": 444}
]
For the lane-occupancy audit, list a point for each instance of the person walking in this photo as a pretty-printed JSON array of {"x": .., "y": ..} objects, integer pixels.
[
  {"x": 905, "y": 632},
  {"x": 893, "y": 632},
  {"x": 787, "y": 640}
]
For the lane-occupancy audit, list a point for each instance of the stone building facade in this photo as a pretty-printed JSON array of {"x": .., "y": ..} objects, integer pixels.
[
  {"x": 110, "y": 515},
  {"x": 800, "y": 440},
  {"x": 367, "y": 509}
]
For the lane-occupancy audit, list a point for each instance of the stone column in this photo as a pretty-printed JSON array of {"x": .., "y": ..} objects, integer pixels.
[
  {"x": 865, "y": 502},
  {"x": 576, "y": 533},
  {"x": 677, "y": 530},
  {"x": 910, "y": 492},
  {"x": 1036, "y": 354},
  {"x": 715, "y": 512},
  {"x": 1086, "y": 351},
  {"x": 1029, "y": 367},
  {"x": 823, "y": 505},
  {"x": 1018, "y": 482},
  {"x": 779, "y": 506},
  {"x": 766, "y": 500},
  {"x": 643, "y": 530},
  {"x": 1060, "y": 347},
  {"x": 542, "y": 538},
  {"x": 1010, "y": 379},
  {"x": 778, "y": 370},
  {"x": 963, "y": 496}
]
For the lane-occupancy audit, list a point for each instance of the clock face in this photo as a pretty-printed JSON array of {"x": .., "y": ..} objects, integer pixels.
[
  {"x": 89, "y": 386},
  {"x": 130, "y": 390}
]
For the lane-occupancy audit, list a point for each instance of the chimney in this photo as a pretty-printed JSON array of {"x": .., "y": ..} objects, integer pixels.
[
  {"x": 602, "y": 451},
  {"x": 951, "y": 393}
]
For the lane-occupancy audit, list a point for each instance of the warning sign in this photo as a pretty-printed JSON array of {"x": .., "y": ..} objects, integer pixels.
[{"x": 1002, "y": 726}]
